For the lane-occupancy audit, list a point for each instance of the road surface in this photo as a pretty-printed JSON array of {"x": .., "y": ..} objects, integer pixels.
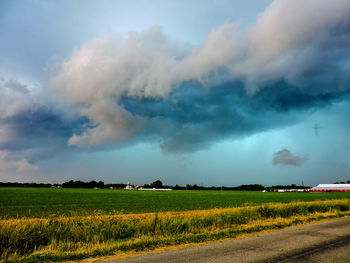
[{"x": 327, "y": 241}]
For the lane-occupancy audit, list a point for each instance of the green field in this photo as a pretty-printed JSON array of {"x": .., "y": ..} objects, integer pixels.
[
  {"x": 51, "y": 202},
  {"x": 49, "y": 224}
]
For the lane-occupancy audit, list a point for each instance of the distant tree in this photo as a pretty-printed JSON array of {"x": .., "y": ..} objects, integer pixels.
[
  {"x": 347, "y": 182},
  {"x": 250, "y": 187},
  {"x": 16, "y": 184},
  {"x": 92, "y": 184},
  {"x": 178, "y": 187},
  {"x": 100, "y": 184},
  {"x": 80, "y": 184},
  {"x": 157, "y": 184}
]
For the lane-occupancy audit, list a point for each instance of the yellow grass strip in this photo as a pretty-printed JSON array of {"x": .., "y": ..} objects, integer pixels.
[
  {"x": 187, "y": 214},
  {"x": 121, "y": 255}
]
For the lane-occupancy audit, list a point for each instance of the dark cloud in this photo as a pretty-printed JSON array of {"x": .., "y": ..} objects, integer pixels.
[
  {"x": 44, "y": 122},
  {"x": 40, "y": 131},
  {"x": 16, "y": 86},
  {"x": 285, "y": 157},
  {"x": 193, "y": 116}
]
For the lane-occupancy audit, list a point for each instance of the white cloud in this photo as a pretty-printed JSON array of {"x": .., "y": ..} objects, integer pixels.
[
  {"x": 22, "y": 165},
  {"x": 14, "y": 96},
  {"x": 113, "y": 124},
  {"x": 111, "y": 66},
  {"x": 287, "y": 37}
]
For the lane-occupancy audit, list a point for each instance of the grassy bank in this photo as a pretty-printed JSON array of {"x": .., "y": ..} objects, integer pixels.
[
  {"x": 47, "y": 202},
  {"x": 70, "y": 238}
]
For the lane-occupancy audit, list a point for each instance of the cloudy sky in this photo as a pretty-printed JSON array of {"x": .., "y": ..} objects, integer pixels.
[{"x": 200, "y": 92}]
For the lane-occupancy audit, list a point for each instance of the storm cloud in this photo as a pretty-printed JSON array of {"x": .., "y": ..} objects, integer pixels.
[
  {"x": 116, "y": 90},
  {"x": 148, "y": 86},
  {"x": 32, "y": 126}
]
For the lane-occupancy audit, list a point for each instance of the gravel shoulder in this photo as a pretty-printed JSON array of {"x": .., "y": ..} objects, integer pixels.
[{"x": 327, "y": 241}]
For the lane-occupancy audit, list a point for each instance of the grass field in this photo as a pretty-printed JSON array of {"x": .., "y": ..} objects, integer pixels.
[
  {"x": 48, "y": 224},
  {"x": 51, "y": 202},
  {"x": 71, "y": 238}
]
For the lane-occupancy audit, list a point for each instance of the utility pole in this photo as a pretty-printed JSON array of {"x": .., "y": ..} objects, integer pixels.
[{"x": 316, "y": 128}]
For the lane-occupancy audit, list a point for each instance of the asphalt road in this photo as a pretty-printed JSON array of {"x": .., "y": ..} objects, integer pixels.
[{"x": 320, "y": 242}]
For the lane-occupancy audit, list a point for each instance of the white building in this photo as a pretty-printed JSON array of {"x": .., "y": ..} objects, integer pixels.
[
  {"x": 129, "y": 187},
  {"x": 331, "y": 188},
  {"x": 155, "y": 189}
]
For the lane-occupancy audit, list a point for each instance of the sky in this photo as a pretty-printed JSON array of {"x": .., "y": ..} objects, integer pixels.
[{"x": 187, "y": 92}]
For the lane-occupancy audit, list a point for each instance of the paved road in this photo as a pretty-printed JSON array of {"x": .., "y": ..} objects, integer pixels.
[{"x": 321, "y": 242}]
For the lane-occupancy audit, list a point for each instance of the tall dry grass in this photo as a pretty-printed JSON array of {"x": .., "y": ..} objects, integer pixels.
[{"x": 69, "y": 238}]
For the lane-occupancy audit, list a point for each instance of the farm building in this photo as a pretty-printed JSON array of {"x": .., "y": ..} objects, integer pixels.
[{"x": 331, "y": 188}]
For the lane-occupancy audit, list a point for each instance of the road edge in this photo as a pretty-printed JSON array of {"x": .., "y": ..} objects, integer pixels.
[{"x": 130, "y": 254}]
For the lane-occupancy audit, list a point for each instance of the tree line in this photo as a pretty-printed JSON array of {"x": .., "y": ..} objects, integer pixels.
[
  {"x": 348, "y": 182},
  {"x": 156, "y": 184}
]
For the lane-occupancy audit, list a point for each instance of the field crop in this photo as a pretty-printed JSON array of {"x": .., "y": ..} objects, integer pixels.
[
  {"x": 78, "y": 237},
  {"x": 45, "y": 224},
  {"x": 50, "y": 202}
]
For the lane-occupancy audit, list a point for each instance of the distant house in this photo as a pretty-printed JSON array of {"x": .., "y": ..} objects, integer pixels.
[
  {"x": 129, "y": 187},
  {"x": 331, "y": 188}
]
